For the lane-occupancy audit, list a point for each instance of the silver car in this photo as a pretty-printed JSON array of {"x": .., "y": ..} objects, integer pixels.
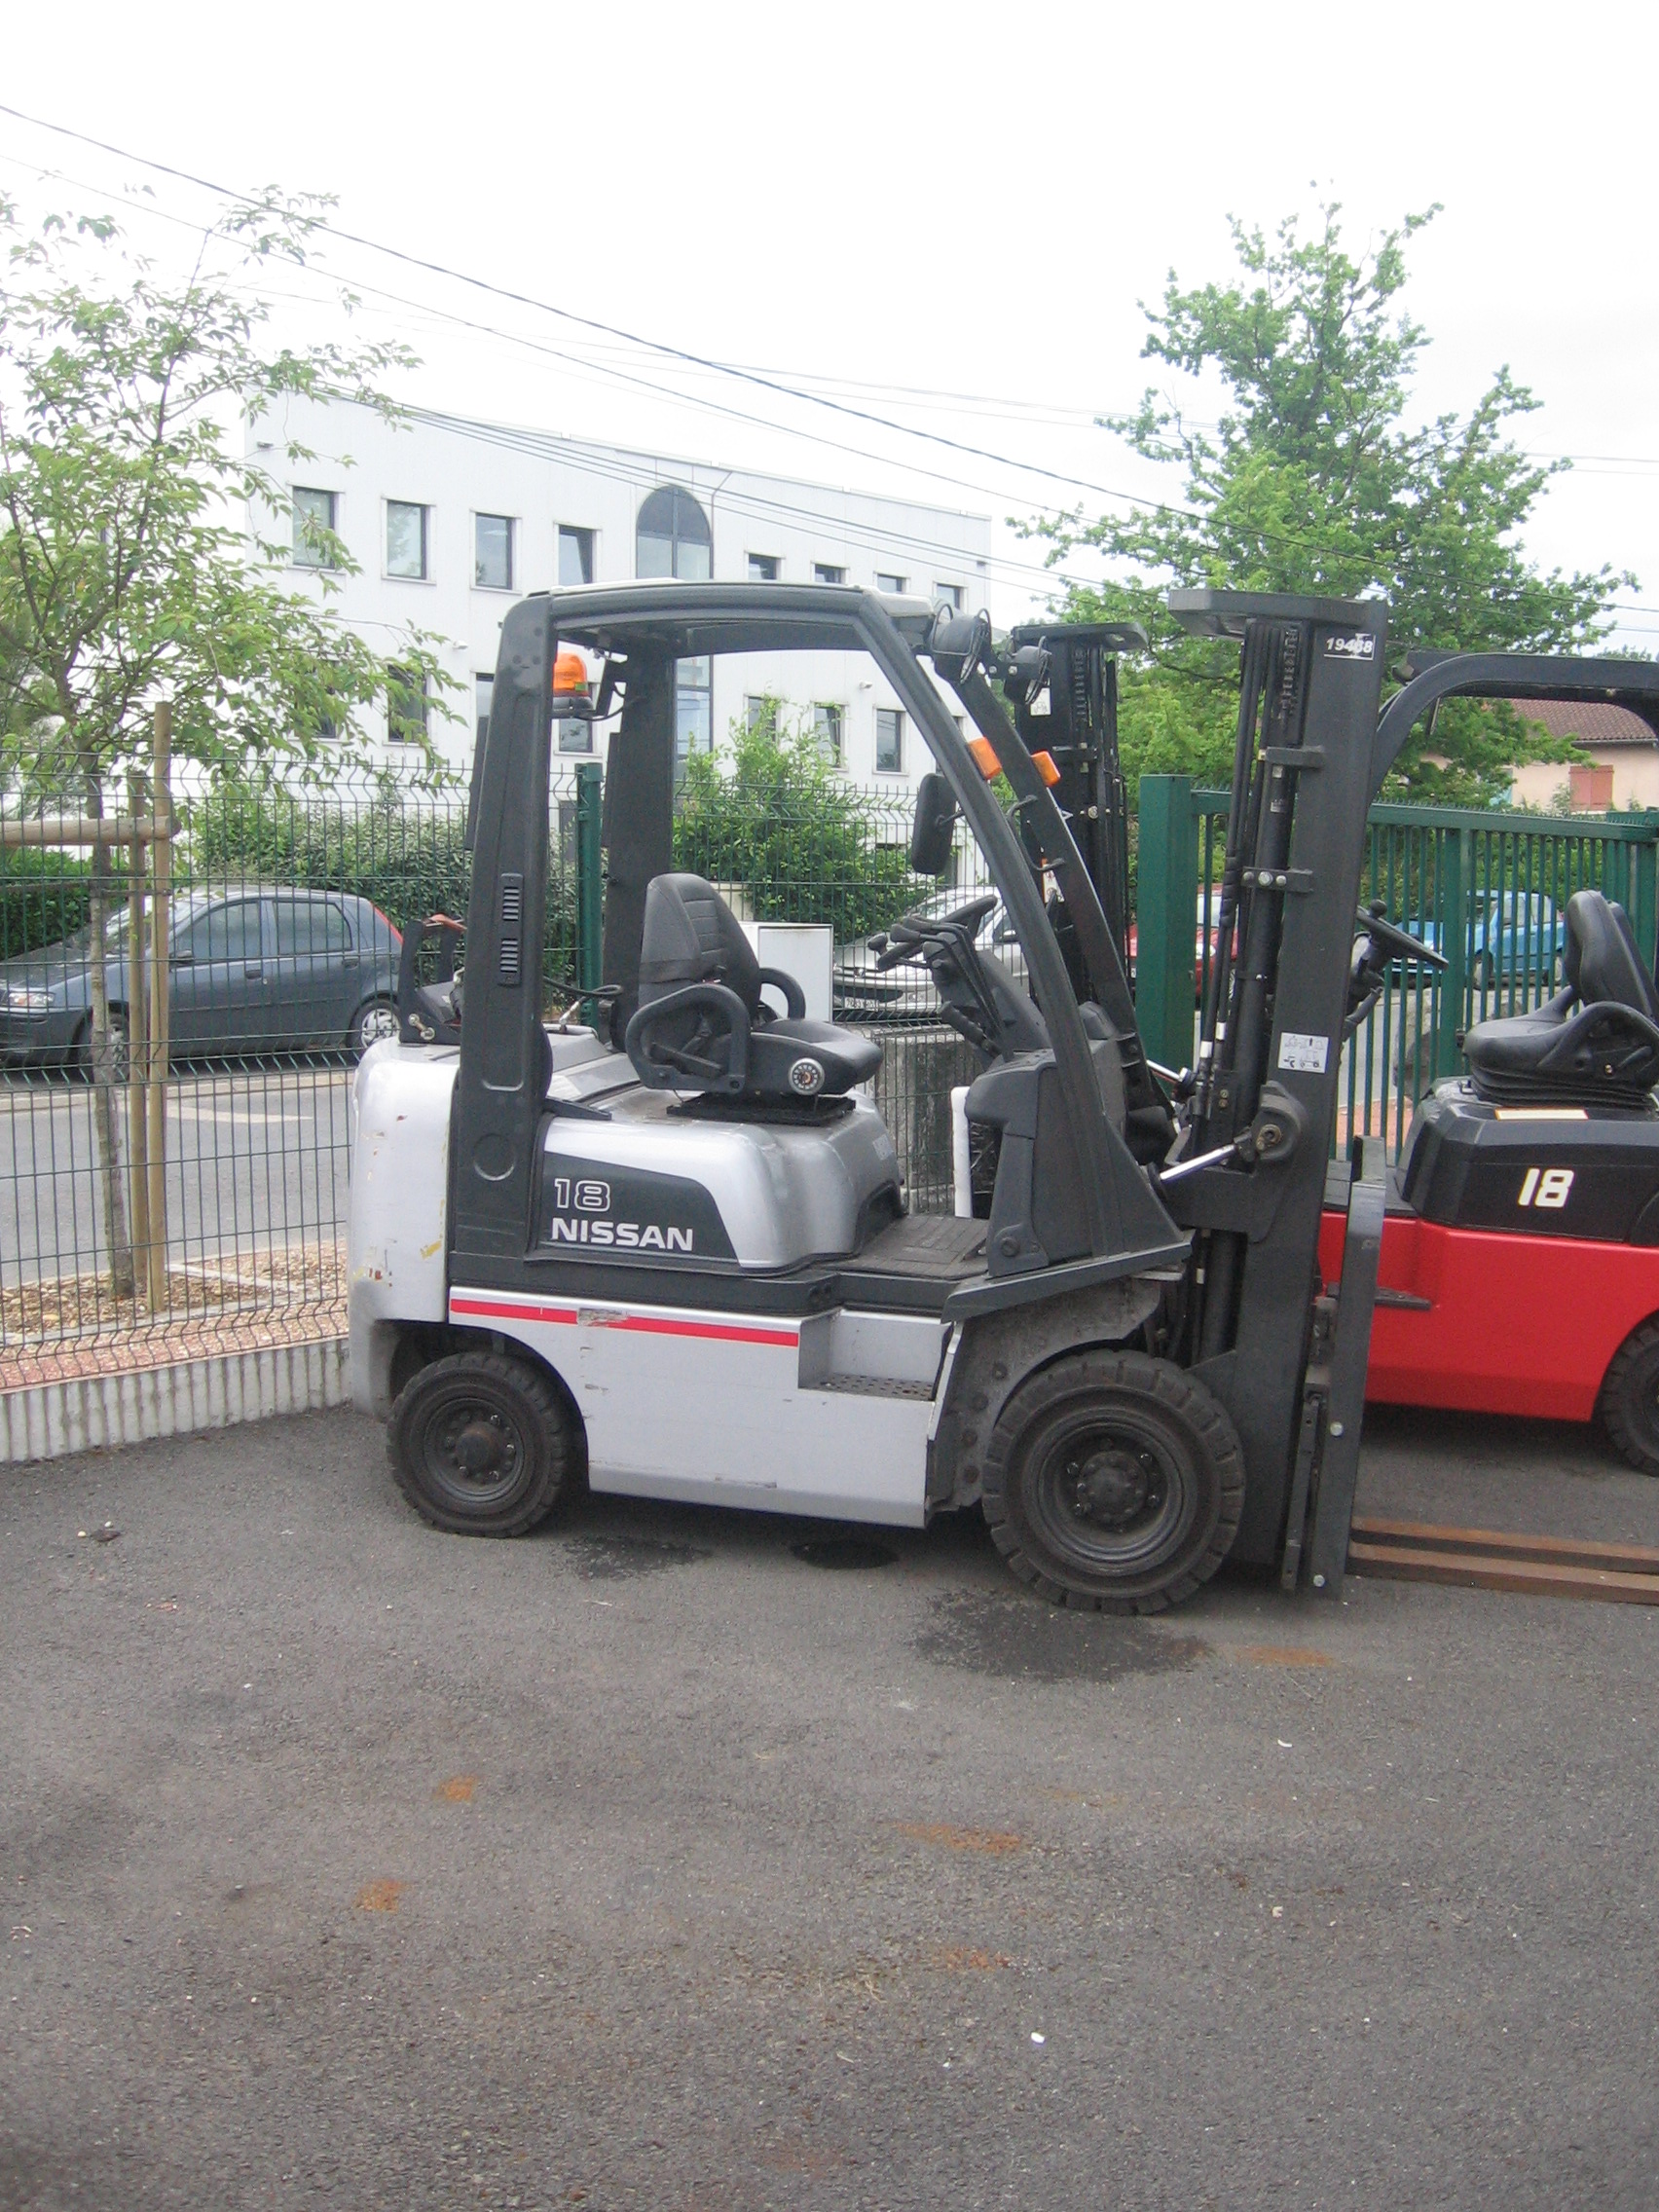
[{"x": 867, "y": 998}]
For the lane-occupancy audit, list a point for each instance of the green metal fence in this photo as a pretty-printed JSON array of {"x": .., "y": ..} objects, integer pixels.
[{"x": 1488, "y": 890}]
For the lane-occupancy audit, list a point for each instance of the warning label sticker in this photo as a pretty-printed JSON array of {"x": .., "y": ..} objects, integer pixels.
[{"x": 1304, "y": 1053}]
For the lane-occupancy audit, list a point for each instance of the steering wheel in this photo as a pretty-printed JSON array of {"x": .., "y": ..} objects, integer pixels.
[
  {"x": 1399, "y": 942},
  {"x": 909, "y": 933}
]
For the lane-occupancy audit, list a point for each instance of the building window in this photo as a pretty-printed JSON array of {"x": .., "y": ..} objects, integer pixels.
[
  {"x": 483, "y": 691},
  {"x": 575, "y": 734},
  {"x": 406, "y": 706},
  {"x": 492, "y": 552},
  {"x": 576, "y": 555},
  {"x": 829, "y": 734},
  {"x": 827, "y": 572},
  {"x": 673, "y": 537},
  {"x": 693, "y": 710},
  {"x": 889, "y": 742},
  {"x": 763, "y": 567},
  {"x": 406, "y": 539},
  {"x": 759, "y": 712},
  {"x": 951, "y": 593},
  {"x": 313, "y": 527},
  {"x": 887, "y": 581}
]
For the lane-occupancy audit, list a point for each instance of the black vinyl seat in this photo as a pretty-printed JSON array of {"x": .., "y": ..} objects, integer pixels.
[
  {"x": 1596, "y": 1043},
  {"x": 702, "y": 1024}
]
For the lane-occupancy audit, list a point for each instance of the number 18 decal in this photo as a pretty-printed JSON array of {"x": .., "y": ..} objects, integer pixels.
[{"x": 1546, "y": 1187}]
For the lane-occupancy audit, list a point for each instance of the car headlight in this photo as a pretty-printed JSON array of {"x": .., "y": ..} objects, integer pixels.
[{"x": 24, "y": 998}]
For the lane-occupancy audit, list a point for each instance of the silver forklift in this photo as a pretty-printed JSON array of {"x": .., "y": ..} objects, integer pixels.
[{"x": 667, "y": 1252}]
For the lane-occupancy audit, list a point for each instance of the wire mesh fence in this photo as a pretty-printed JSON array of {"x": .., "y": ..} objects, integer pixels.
[{"x": 282, "y": 942}]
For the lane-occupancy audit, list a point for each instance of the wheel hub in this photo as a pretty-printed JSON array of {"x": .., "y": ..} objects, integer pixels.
[
  {"x": 481, "y": 1448},
  {"x": 1113, "y": 1485}
]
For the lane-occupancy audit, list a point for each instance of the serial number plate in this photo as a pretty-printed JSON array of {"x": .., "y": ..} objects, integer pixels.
[{"x": 1307, "y": 1055}]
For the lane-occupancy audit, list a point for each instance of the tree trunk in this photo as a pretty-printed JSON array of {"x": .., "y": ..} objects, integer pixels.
[{"x": 106, "y": 1117}]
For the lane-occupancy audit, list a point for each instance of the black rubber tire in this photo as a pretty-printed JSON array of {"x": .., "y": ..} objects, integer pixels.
[
  {"x": 1145, "y": 1428},
  {"x": 370, "y": 1022},
  {"x": 505, "y": 1405},
  {"x": 1629, "y": 1399},
  {"x": 117, "y": 1040}
]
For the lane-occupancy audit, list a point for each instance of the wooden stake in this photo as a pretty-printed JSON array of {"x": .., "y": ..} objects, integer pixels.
[
  {"x": 156, "y": 1086},
  {"x": 137, "y": 1046}
]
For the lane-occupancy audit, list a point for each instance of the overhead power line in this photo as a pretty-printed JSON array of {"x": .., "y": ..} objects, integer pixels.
[
  {"x": 775, "y": 382},
  {"x": 614, "y": 330}
]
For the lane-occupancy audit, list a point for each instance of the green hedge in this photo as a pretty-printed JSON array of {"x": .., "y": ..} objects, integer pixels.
[
  {"x": 44, "y": 897},
  {"x": 807, "y": 847}
]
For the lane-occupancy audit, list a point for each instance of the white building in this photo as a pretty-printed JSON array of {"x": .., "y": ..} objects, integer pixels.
[{"x": 449, "y": 521}]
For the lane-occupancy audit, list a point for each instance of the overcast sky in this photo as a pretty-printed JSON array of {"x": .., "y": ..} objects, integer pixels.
[{"x": 942, "y": 216}]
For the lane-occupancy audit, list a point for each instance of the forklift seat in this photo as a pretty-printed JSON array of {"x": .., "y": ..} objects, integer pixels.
[
  {"x": 1596, "y": 1043},
  {"x": 703, "y": 1025}
]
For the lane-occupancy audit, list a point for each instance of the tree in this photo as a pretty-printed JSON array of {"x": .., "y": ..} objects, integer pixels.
[
  {"x": 1315, "y": 480},
  {"x": 772, "y": 814},
  {"x": 141, "y": 558}
]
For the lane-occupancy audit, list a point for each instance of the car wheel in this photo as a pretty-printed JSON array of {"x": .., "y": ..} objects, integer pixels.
[
  {"x": 1629, "y": 1399},
  {"x": 481, "y": 1445},
  {"x": 119, "y": 1051},
  {"x": 1113, "y": 1481},
  {"x": 1481, "y": 972},
  {"x": 371, "y": 1024}
]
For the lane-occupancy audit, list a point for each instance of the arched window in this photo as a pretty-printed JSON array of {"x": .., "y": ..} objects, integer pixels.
[{"x": 673, "y": 538}]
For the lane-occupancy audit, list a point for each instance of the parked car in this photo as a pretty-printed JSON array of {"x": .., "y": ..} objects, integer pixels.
[
  {"x": 1512, "y": 932},
  {"x": 1206, "y": 940},
  {"x": 251, "y": 969},
  {"x": 868, "y": 999}
]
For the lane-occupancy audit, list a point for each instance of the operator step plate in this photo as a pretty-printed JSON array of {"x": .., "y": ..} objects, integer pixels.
[{"x": 873, "y": 1387}]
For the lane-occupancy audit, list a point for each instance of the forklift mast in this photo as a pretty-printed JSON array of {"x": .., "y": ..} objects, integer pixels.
[
  {"x": 1066, "y": 704},
  {"x": 1264, "y": 1082}
]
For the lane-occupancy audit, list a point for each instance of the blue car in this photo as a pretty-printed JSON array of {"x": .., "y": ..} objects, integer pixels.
[
  {"x": 1517, "y": 933},
  {"x": 1512, "y": 934},
  {"x": 251, "y": 969}
]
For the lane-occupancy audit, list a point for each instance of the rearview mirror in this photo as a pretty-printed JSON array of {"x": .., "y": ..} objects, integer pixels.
[{"x": 934, "y": 829}]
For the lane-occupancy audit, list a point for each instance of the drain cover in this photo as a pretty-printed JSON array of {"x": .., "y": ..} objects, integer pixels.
[{"x": 843, "y": 1551}]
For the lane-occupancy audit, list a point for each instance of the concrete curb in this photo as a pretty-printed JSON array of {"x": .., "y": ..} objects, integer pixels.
[{"x": 55, "y": 1419}]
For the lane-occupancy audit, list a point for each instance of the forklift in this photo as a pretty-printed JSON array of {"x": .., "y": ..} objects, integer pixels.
[
  {"x": 1529, "y": 1186},
  {"x": 666, "y": 1251}
]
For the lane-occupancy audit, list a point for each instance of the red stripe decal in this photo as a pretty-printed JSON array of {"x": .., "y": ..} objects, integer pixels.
[
  {"x": 642, "y": 1324},
  {"x": 716, "y": 1329},
  {"x": 513, "y": 1312}
]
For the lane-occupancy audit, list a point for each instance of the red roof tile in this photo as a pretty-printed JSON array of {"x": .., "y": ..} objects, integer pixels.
[{"x": 1592, "y": 722}]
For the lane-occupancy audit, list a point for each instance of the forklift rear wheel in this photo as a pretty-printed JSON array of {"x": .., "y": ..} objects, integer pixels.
[
  {"x": 1113, "y": 1481},
  {"x": 1629, "y": 1403},
  {"x": 481, "y": 1445}
]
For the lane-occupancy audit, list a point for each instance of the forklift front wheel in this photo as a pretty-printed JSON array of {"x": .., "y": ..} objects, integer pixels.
[
  {"x": 481, "y": 1445},
  {"x": 1113, "y": 1481},
  {"x": 1629, "y": 1403}
]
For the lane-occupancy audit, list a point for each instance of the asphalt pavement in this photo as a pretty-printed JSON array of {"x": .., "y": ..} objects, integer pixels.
[{"x": 667, "y": 1858}]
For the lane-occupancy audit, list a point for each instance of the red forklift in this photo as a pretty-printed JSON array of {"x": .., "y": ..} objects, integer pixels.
[{"x": 1519, "y": 1270}]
